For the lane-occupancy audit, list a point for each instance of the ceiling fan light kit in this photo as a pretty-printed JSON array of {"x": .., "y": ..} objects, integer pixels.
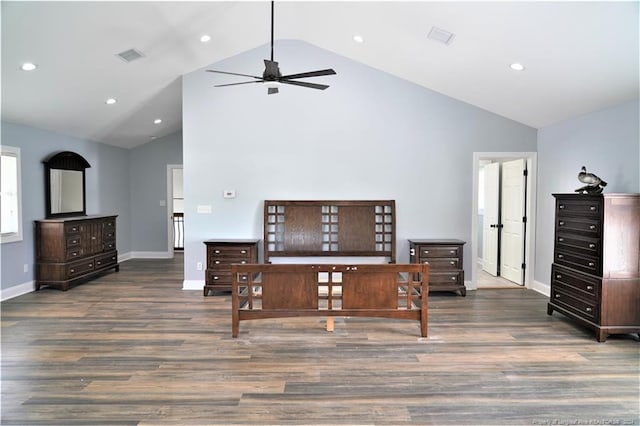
[{"x": 272, "y": 77}]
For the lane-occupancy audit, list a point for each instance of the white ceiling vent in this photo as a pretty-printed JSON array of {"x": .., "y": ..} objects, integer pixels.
[
  {"x": 440, "y": 35},
  {"x": 130, "y": 55}
]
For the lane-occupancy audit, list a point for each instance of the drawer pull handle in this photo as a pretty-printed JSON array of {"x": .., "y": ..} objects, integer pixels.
[
  {"x": 558, "y": 277},
  {"x": 73, "y": 270},
  {"x": 592, "y": 245},
  {"x": 217, "y": 262},
  {"x": 560, "y": 256},
  {"x": 75, "y": 254},
  {"x": 93, "y": 238},
  {"x": 91, "y": 265},
  {"x": 99, "y": 263},
  {"x": 557, "y": 296},
  {"x": 592, "y": 264},
  {"x": 217, "y": 251},
  {"x": 452, "y": 251},
  {"x": 561, "y": 206},
  {"x": 243, "y": 262},
  {"x": 113, "y": 258},
  {"x": 592, "y": 208},
  {"x": 454, "y": 278},
  {"x": 561, "y": 239},
  {"x": 215, "y": 278},
  {"x": 243, "y": 251},
  {"x": 561, "y": 223},
  {"x": 592, "y": 227},
  {"x": 412, "y": 252},
  {"x": 588, "y": 309},
  {"x": 452, "y": 262},
  {"x": 589, "y": 287},
  {"x": 426, "y": 251}
]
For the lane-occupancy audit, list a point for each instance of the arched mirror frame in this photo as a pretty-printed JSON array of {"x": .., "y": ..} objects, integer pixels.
[{"x": 57, "y": 164}]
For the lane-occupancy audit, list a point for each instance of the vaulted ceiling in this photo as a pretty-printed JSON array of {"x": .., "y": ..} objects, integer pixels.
[{"x": 579, "y": 57}]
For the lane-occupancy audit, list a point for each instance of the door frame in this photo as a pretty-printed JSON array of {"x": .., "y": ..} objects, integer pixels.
[
  {"x": 530, "y": 228},
  {"x": 170, "y": 238}
]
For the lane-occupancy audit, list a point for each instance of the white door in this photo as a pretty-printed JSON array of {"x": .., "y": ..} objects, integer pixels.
[
  {"x": 490, "y": 220},
  {"x": 512, "y": 216}
]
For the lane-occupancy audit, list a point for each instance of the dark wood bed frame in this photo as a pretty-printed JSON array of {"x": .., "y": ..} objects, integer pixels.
[
  {"x": 307, "y": 229},
  {"x": 262, "y": 291},
  {"x": 329, "y": 228}
]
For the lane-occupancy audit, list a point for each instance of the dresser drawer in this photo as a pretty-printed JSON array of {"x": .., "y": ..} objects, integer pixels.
[
  {"x": 588, "y": 264},
  {"x": 80, "y": 267},
  {"x": 583, "y": 308},
  {"x": 439, "y": 251},
  {"x": 106, "y": 259},
  {"x": 585, "y": 285},
  {"x": 74, "y": 253},
  {"x": 585, "y": 226},
  {"x": 583, "y": 245},
  {"x": 109, "y": 235},
  {"x": 109, "y": 245},
  {"x": 443, "y": 263},
  {"x": 71, "y": 228},
  {"x": 569, "y": 207},
  {"x": 73, "y": 241}
]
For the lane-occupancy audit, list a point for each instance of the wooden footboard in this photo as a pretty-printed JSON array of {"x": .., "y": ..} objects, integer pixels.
[{"x": 370, "y": 290}]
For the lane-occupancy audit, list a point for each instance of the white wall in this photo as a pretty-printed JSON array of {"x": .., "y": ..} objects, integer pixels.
[
  {"x": 607, "y": 142},
  {"x": 369, "y": 136}
]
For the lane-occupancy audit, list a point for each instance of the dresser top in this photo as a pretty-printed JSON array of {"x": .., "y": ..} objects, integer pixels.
[
  {"x": 435, "y": 241},
  {"x": 72, "y": 218}
]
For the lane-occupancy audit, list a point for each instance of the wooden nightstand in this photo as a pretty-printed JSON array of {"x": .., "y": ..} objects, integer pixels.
[
  {"x": 220, "y": 255},
  {"x": 446, "y": 261}
]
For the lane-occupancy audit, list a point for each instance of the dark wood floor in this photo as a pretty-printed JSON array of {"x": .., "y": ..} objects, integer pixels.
[{"x": 134, "y": 348}]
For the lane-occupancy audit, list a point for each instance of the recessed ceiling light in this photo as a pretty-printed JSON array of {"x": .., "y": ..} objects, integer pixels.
[
  {"x": 358, "y": 38},
  {"x": 205, "y": 38},
  {"x": 111, "y": 101},
  {"x": 517, "y": 67},
  {"x": 157, "y": 121},
  {"x": 28, "y": 66}
]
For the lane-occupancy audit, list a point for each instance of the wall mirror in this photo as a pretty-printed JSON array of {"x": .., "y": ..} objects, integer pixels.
[{"x": 65, "y": 184}]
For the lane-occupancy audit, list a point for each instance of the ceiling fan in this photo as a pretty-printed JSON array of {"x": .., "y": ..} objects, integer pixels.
[{"x": 272, "y": 77}]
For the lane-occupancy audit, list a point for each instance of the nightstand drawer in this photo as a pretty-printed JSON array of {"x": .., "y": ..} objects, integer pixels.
[
  {"x": 443, "y": 263},
  {"x": 431, "y": 252}
]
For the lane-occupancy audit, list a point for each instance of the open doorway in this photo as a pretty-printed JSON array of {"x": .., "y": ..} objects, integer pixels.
[
  {"x": 175, "y": 209},
  {"x": 503, "y": 223}
]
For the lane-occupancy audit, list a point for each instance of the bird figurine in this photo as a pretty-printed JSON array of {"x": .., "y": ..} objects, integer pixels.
[{"x": 594, "y": 185}]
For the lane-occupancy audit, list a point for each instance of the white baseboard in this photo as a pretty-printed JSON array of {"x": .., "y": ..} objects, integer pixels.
[
  {"x": 150, "y": 255},
  {"x": 17, "y": 290},
  {"x": 193, "y": 285},
  {"x": 541, "y": 288}
]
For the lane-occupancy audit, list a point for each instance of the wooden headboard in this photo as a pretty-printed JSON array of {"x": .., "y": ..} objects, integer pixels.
[{"x": 329, "y": 228}]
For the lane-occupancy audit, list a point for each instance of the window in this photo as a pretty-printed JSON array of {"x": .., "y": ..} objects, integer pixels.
[{"x": 10, "y": 195}]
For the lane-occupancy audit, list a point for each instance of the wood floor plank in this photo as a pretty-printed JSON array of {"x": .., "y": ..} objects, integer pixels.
[{"x": 133, "y": 348}]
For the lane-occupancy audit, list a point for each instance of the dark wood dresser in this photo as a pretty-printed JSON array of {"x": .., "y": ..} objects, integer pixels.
[
  {"x": 220, "y": 255},
  {"x": 71, "y": 250},
  {"x": 446, "y": 263},
  {"x": 595, "y": 276}
]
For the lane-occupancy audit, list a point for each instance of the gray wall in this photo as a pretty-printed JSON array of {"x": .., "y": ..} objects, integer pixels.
[
  {"x": 369, "y": 136},
  {"x": 107, "y": 191},
  {"x": 148, "y": 187},
  {"x": 606, "y": 142}
]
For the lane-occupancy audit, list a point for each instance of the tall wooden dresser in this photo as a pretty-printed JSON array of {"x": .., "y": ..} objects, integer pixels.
[
  {"x": 71, "y": 250},
  {"x": 220, "y": 255},
  {"x": 595, "y": 276},
  {"x": 445, "y": 259}
]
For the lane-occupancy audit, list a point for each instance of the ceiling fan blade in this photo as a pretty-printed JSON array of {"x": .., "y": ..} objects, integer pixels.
[
  {"x": 236, "y": 84},
  {"x": 234, "y": 73},
  {"x": 305, "y": 84},
  {"x": 309, "y": 74},
  {"x": 272, "y": 90}
]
